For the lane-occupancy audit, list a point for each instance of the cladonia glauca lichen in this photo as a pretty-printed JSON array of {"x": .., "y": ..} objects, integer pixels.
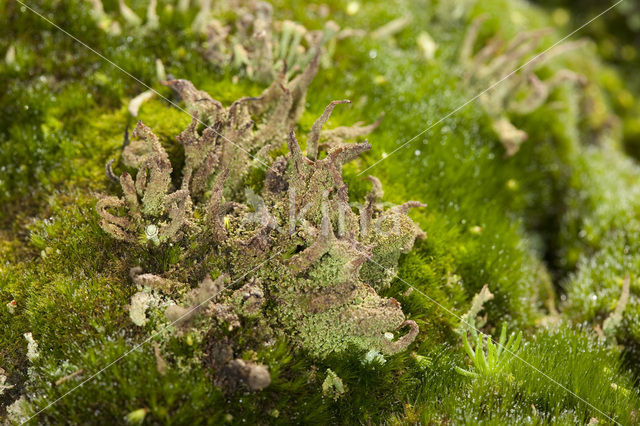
[{"x": 316, "y": 260}]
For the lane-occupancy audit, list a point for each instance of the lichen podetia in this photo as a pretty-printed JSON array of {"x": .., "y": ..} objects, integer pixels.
[{"x": 319, "y": 258}]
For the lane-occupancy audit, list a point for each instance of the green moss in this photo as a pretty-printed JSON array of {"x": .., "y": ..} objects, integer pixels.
[
  {"x": 135, "y": 384},
  {"x": 524, "y": 396}
]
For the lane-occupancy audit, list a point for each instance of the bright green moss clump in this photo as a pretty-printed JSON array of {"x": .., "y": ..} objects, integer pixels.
[{"x": 96, "y": 264}]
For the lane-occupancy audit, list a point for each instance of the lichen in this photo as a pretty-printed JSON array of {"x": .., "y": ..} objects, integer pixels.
[
  {"x": 504, "y": 75},
  {"x": 332, "y": 386},
  {"x": 3, "y": 382},
  {"x": 257, "y": 46},
  {"x": 323, "y": 295},
  {"x": 469, "y": 323},
  {"x": 153, "y": 214},
  {"x": 253, "y": 43},
  {"x": 140, "y": 302},
  {"x": 32, "y": 347},
  {"x": 18, "y": 411}
]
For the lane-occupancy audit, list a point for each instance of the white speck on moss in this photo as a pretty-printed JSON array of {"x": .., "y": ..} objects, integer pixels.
[
  {"x": 136, "y": 417},
  {"x": 427, "y": 45},
  {"x": 136, "y": 103},
  {"x": 352, "y": 8},
  {"x": 10, "y": 56}
]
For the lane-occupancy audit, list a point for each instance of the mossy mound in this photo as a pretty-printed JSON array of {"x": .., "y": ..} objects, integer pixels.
[{"x": 552, "y": 228}]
